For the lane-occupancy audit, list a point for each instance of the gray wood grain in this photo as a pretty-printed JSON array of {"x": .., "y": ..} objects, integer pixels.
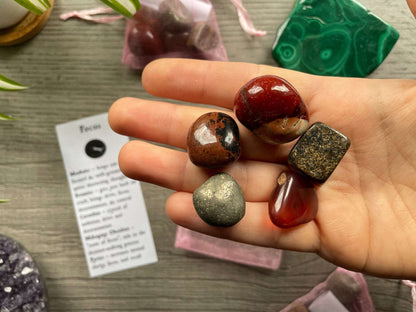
[{"x": 71, "y": 68}]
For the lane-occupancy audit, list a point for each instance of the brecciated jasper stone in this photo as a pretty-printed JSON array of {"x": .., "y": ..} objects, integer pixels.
[
  {"x": 220, "y": 201},
  {"x": 293, "y": 201},
  {"x": 272, "y": 109},
  {"x": 213, "y": 140},
  {"x": 318, "y": 151}
]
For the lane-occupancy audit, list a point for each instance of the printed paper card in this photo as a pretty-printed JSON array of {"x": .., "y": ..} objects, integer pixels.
[{"x": 110, "y": 210}]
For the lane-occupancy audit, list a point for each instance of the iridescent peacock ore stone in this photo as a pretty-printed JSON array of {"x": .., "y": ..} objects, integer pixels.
[{"x": 333, "y": 38}]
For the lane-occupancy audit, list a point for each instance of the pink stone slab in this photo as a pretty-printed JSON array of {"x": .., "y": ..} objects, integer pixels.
[{"x": 268, "y": 258}]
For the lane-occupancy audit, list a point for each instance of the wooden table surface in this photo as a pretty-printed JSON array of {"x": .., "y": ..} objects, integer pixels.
[{"x": 74, "y": 71}]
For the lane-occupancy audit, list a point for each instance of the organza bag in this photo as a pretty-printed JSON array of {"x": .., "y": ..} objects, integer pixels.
[
  {"x": 172, "y": 28},
  {"x": 342, "y": 291}
]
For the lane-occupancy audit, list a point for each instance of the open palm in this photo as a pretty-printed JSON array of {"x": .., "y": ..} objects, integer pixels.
[{"x": 367, "y": 208}]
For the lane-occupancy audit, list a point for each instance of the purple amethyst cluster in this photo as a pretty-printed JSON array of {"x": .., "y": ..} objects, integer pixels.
[{"x": 21, "y": 286}]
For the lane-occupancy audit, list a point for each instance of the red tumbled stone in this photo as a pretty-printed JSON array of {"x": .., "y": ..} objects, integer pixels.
[
  {"x": 213, "y": 140},
  {"x": 293, "y": 201},
  {"x": 143, "y": 40},
  {"x": 272, "y": 109}
]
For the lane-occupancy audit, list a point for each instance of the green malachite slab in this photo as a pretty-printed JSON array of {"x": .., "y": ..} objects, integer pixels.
[{"x": 333, "y": 38}]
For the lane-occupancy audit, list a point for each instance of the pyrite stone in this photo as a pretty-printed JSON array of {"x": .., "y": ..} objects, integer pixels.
[{"x": 220, "y": 201}]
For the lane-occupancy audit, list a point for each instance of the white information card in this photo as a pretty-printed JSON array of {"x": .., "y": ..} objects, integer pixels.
[{"x": 110, "y": 210}]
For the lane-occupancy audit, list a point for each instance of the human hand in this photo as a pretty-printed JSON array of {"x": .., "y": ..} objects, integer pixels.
[{"x": 366, "y": 219}]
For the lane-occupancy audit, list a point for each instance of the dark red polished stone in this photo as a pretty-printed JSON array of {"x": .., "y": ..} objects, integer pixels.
[
  {"x": 293, "y": 201},
  {"x": 144, "y": 40},
  {"x": 176, "y": 42},
  {"x": 148, "y": 16},
  {"x": 271, "y": 108},
  {"x": 213, "y": 140}
]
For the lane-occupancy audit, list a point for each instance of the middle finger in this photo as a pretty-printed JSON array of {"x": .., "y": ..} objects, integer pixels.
[{"x": 169, "y": 124}]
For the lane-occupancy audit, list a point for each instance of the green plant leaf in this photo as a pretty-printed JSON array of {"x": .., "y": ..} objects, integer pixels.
[
  {"x": 36, "y": 6},
  {"x": 125, "y": 7},
  {"x": 7, "y": 84},
  {"x": 5, "y": 117},
  {"x": 4, "y": 200}
]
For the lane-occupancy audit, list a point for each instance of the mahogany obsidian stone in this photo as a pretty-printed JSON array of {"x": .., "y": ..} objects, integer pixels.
[
  {"x": 22, "y": 288},
  {"x": 293, "y": 201},
  {"x": 318, "y": 151},
  {"x": 220, "y": 201},
  {"x": 272, "y": 109},
  {"x": 213, "y": 140}
]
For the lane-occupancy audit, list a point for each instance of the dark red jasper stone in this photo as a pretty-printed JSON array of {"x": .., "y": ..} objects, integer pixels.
[
  {"x": 271, "y": 108},
  {"x": 213, "y": 140},
  {"x": 148, "y": 16},
  {"x": 176, "y": 42},
  {"x": 293, "y": 201},
  {"x": 143, "y": 40}
]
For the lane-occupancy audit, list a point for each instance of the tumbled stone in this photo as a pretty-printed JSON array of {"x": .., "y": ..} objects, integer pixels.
[
  {"x": 220, "y": 201},
  {"x": 203, "y": 37},
  {"x": 175, "y": 17},
  {"x": 175, "y": 42},
  {"x": 318, "y": 151},
  {"x": 333, "y": 38},
  {"x": 213, "y": 140},
  {"x": 22, "y": 288},
  {"x": 143, "y": 40},
  {"x": 272, "y": 109},
  {"x": 293, "y": 201},
  {"x": 344, "y": 287}
]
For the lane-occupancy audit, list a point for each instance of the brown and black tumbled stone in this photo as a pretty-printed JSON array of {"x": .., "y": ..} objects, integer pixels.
[
  {"x": 318, "y": 152},
  {"x": 213, "y": 140}
]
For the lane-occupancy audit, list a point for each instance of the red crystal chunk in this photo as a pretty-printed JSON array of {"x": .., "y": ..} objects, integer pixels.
[
  {"x": 293, "y": 201},
  {"x": 272, "y": 109}
]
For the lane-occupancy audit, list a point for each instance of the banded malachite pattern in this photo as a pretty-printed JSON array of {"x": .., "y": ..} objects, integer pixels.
[{"x": 333, "y": 38}]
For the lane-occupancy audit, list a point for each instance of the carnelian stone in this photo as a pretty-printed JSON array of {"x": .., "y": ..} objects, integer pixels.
[{"x": 293, "y": 201}]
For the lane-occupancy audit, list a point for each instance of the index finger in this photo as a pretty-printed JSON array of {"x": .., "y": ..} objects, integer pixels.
[{"x": 213, "y": 83}]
